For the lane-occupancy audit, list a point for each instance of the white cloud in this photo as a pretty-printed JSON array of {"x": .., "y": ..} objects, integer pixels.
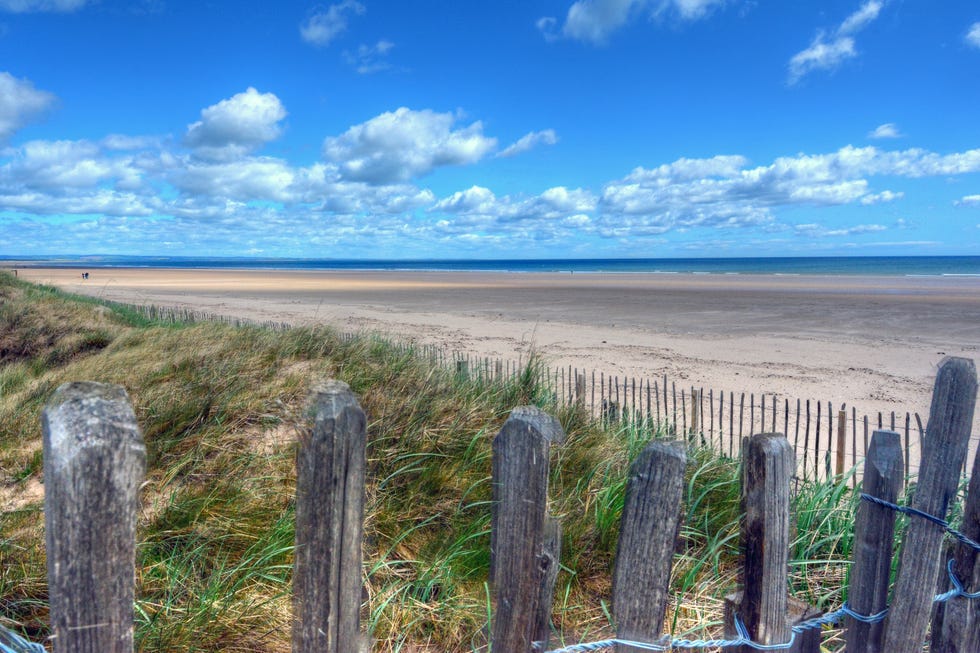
[
  {"x": 973, "y": 35},
  {"x": 27, "y": 6},
  {"x": 725, "y": 192},
  {"x": 595, "y": 20},
  {"x": 324, "y": 26},
  {"x": 237, "y": 125},
  {"x": 369, "y": 59},
  {"x": 829, "y": 51},
  {"x": 883, "y": 196},
  {"x": 530, "y": 141},
  {"x": 20, "y": 103},
  {"x": 689, "y": 9},
  {"x": 403, "y": 144},
  {"x": 887, "y": 130},
  {"x": 814, "y": 230},
  {"x": 968, "y": 200},
  {"x": 62, "y": 167},
  {"x": 861, "y": 18}
]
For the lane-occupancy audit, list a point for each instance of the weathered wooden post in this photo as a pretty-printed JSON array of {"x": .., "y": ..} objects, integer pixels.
[
  {"x": 462, "y": 368},
  {"x": 94, "y": 463},
  {"x": 874, "y": 532},
  {"x": 522, "y": 565},
  {"x": 648, "y": 533},
  {"x": 763, "y": 605},
  {"x": 947, "y": 437},
  {"x": 956, "y": 625},
  {"x": 330, "y": 474}
]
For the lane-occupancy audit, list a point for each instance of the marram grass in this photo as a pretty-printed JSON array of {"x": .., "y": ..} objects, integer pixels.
[{"x": 220, "y": 406}]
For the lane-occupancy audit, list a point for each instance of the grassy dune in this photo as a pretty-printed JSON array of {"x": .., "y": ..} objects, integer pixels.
[{"x": 220, "y": 406}]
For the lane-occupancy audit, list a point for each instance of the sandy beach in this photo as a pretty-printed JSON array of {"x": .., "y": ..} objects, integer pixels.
[{"x": 870, "y": 342}]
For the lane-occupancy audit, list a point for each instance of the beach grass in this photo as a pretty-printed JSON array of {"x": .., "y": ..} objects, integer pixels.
[{"x": 220, "y": 406}]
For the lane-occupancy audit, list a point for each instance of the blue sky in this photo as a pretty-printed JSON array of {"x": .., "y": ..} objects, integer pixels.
[{"x": 597, "y": 128}]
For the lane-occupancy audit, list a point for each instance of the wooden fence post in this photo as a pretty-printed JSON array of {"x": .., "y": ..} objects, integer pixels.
[
  {"x": 874, "y": 532},
  {"x": 648, "y": 533},
  {"x": 519, "y": 561},
  {"x": 94, "y": 463},
  {"x": 330, "y": 474},
  {"x": 956, "y": 625},
  {"x": 947, "y": 437},
  {"x": 763, "y": 604}
]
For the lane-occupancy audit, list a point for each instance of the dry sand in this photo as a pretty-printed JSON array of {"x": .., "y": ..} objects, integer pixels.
[{"x": 872, "y": 342}]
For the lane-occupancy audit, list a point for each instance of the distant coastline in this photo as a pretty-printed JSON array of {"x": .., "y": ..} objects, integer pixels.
[{"x": 797, "y": 265}]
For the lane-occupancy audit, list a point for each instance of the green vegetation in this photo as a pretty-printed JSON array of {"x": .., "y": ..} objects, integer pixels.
[{"x": 220, "y": 405}]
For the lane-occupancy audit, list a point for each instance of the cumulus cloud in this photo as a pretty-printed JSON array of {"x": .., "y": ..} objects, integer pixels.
[
  {"x": 828, "y": 51},
  {"x": 20, "y": 103},
  {"x": 237, "y": 125},
  {"x": 726, "y": 192},
  {"x": 530, "y": 141},
  {"x": 63, "y": 167},
  {"x": 887, "y": 130},
  {"x": 28, "y": 6},
  {"x": 594, "y": 21},
  {"x": 968, "y": 200},
  {"x": 368, "y": 59},
  {"x": 404, "y": 144},
  {"x": 324, "y": 26},
  {"x": 973, "y": 35}
]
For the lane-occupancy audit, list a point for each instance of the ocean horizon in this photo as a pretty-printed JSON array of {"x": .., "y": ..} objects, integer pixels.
[{"x": 789, "y": 265}]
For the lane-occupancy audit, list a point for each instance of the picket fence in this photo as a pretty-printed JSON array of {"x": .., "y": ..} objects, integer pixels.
[
  {"x": 94, "y": 462},
  {"x": 825, "y": 441}
]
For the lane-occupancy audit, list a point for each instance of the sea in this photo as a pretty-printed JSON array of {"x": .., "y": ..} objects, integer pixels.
[{"x": 930, "y": 266}]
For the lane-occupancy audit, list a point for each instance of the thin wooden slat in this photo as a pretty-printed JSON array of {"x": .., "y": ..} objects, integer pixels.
[
  {"x": 762, "y": 413},
  {"x": 841, "y": 440},
  {"x": 711, "y": 416},
  {"x": 741, "y": 413},
  {"x": 946, "y": 441},
  {"x": 786, "y": 419},
  {"x": 731, "y": 424},
  {"x": 656, "y": 393},
  {"x": 796, "y": 439},
  {"x": 673, "y": 387},
  {"x": 94, "y": 463},
  {"x": 816, "y": 444},
  {"x": 648, "y": 533},
  {"x": 806, "y": 438},
  {"x": 854, "y": 444},
  {"x": 774, "y": 414}
]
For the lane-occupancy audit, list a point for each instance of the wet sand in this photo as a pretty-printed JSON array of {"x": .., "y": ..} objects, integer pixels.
[{"x": 870, "y": 342}]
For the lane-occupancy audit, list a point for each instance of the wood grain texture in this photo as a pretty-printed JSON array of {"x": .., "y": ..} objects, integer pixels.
[
  {"x": 94, "y": 463},
  {"x": 519, "y": 562},
  {"x": 943, "y": 452},
  {"x": 956, "y": 624},
  {"x": 647, "y": 537},
  {"x": 767, "y": 473},
  {"x": 874, "y": 532},
  {"x": 330, "y": 476}
]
